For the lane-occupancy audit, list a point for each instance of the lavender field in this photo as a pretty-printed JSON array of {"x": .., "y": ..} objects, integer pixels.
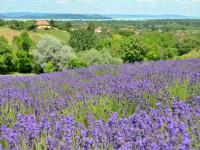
[{"x": 143, "y": 106}]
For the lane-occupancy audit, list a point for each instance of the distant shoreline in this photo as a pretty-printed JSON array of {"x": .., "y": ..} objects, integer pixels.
[
  {"x": 89, "y": 17},
  {"x": 113, "y": 19}
]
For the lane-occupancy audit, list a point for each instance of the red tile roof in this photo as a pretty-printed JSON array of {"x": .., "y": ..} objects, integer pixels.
[
  {"x": 98, "y": 30},
  {"x": 42, "y": 23}
]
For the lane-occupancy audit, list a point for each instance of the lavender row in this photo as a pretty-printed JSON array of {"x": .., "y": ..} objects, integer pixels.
[{"x": 163, "y": 128}]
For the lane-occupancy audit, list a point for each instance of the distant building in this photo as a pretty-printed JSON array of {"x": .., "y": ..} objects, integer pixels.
[
  {"x": 43, "y": 24},
  {"x": 98, "y": 30}
]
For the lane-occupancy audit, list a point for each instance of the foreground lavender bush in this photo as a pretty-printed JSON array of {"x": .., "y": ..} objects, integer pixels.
[{"x": 154, "y": 105}]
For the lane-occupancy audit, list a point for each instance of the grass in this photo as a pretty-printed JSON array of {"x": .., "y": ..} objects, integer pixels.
[
  {"x": 8, "y": 33},
  {"x": 61, "y": 35},
  {"x": 192, "y": 54},
  {"x": 19, "y": 74},
  {"x": 35, "y": 36},
  {"x": 103, "y": 107}
]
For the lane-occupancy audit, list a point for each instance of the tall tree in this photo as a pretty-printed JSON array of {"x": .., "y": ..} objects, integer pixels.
[
  {"x": 52, "y": 23},
  {"x": 82, "y": 40},
  {"x": 25, "y": 60},
  {"x": 23, "y": 42},
  {"x": 6, "y": 56}
]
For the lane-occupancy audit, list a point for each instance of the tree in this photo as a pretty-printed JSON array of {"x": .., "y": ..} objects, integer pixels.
[
  {"x": 91, "y": 27},
  {"x": 68, "y": 26},
  {"x": 50, "y": 53},
  {"x": 76, "y": 63},
  {"x": 25, "y": 62},
  {"x": 52, "y": 23},
  {"x": 133, "y": 51},
  {"x": 187, "y": 43},
  {"x": 23, "y": 42},
  {"x": 159, "y": 45},
  {"x": 30, "y": 25},
  {"x": 82, "y": 40},
  {"x": 6, "y": 56},
  {"x": 16, "y": 25},
  {"x": 2, "y": 22},
  {"x": 24, "y": 59}
]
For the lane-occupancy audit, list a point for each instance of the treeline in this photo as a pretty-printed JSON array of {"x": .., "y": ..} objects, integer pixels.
[
  {"x": 31, "y": 25},
  {"x": 162, "y": 24},
  {"x": 85, "y": 47}
]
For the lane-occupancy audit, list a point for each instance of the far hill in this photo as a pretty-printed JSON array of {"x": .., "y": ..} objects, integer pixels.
[
  {"x": 24, "y": 15},
  {"x": 33, "y": 15},
  {"x": 139, "y": 16}
]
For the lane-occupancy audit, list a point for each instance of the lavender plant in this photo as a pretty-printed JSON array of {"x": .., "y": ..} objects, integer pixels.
[{"x": 150, "y": 105}]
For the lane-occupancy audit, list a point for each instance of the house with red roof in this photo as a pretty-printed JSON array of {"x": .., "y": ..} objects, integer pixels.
[
  {"x": 98, "y": 30},
  {"x": 43, "y": 24}
]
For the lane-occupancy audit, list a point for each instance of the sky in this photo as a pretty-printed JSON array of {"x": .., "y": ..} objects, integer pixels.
[{"x": 150, "y": 7}]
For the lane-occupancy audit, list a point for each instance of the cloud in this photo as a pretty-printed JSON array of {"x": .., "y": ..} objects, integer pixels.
[
  {"x": 9, "y": 0},
  {"x": 50, "y": 1},
  {"x": 179, "y": 2},
  {"x": 62, "y": 1},
  {"x": 67, "y": 1}
]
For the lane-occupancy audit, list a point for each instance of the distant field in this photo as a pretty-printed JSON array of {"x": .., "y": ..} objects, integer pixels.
[
  {"x": 8, "y": 33},
  {"x": 36, "y": 36}
]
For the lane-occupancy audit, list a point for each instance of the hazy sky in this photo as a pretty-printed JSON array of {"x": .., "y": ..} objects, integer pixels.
[{"x": 183, "y": 7}]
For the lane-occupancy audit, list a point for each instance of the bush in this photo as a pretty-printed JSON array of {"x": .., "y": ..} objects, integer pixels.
[
  {"x": 133, "y": 50},
  {"x": 187, "y": 43},
  {"x": 94, "y": 57},
  {"x": 63, "y": 56},
  {"x": 108, "y": 59},
  {"x": 169, "y": 53},
  {"x": 30, "y": 26},
  {"x": 76, "y": 63},
  {"x": 16, "y": 25},
  {"x": 49, "y": 49},
  {"x": 49, "y": 67}
]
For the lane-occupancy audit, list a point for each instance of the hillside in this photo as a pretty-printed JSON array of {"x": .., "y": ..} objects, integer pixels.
[
  {"x": 36, "y": 36},
  {"x": 191, "y": 54}
]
